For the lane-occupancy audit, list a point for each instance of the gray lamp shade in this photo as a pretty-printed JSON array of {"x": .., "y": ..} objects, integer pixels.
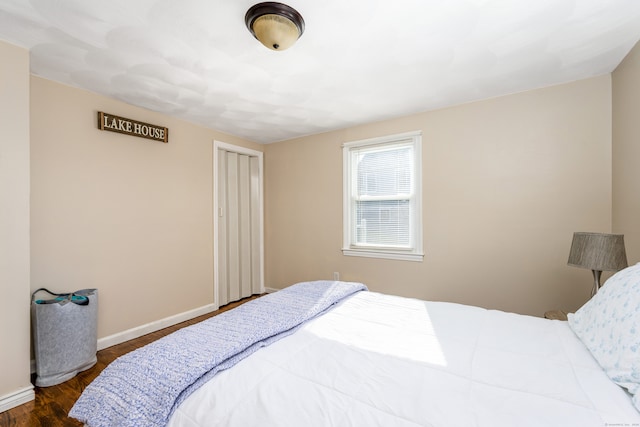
[{"x": 598, "y": 251}]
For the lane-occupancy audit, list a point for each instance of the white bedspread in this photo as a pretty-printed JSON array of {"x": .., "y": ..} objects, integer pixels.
[{"x": 379, "y": 360}]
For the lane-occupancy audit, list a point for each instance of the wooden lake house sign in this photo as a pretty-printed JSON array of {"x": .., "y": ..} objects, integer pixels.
[{"x": 132, "y": 127}]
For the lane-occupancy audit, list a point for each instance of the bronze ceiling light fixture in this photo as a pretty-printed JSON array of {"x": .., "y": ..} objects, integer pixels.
[{"x": 275, "y": 25}]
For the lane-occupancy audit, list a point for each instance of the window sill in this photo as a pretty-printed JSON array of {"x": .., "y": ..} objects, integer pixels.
[{"x": 381, "y": 254}]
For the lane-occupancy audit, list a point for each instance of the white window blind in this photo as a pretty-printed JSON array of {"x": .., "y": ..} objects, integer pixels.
[{"x": 382, "y": 197}]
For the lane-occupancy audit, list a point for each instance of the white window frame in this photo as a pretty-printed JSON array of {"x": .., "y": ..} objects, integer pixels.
[{"x": 415, "y": 252}]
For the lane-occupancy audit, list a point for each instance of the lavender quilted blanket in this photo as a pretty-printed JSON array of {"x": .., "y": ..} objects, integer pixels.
[{"x": 143, "y": 388}]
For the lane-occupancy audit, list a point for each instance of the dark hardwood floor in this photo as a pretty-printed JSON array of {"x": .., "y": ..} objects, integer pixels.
[{"x": 51, "y": 405}]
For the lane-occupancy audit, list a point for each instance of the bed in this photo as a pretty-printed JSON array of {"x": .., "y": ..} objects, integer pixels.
[{"x": 369, "y": 359}]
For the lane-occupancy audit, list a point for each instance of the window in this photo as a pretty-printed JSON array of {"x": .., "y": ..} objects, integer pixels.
[{"x": 382, "y": 197}]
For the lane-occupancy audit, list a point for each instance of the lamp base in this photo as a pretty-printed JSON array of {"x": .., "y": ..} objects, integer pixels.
[{"x": 596, "y": 281}]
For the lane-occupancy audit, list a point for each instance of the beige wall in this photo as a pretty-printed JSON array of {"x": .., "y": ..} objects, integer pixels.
[
  {"x": 506, "y": 183},
  {"x": 14, "y": 223},
  {"x": 129, "y": 216},
  {"x": 626, "y": 152}
]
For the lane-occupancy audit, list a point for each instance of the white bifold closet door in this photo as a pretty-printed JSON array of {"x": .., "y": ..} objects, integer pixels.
[{"x": 238, "y": 226}]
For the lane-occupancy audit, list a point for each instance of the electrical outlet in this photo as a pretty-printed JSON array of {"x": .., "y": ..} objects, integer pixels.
[{"x": 336, "y": 275}]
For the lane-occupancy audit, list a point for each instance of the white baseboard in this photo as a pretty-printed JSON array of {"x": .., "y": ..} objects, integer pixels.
[
  {"x": 271, "y": 290},
  {"x": 16, "y": 398},
  {"x": 139, "y": 331}
]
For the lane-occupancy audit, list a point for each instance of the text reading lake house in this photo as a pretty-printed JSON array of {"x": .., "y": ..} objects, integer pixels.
[{"x": 132, "y": 127}]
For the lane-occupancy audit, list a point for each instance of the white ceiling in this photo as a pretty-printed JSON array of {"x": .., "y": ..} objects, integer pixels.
[{"x": 358, "y": 61}]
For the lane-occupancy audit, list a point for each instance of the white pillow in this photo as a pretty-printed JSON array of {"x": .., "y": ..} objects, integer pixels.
[{"x": 609, "y": 325}]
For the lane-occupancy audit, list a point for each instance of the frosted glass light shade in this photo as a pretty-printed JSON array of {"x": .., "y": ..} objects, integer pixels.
[{"x": 275, "y": 32}]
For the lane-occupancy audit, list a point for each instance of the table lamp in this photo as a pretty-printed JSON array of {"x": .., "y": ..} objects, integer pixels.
[{"x": 598, "y": 252}]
